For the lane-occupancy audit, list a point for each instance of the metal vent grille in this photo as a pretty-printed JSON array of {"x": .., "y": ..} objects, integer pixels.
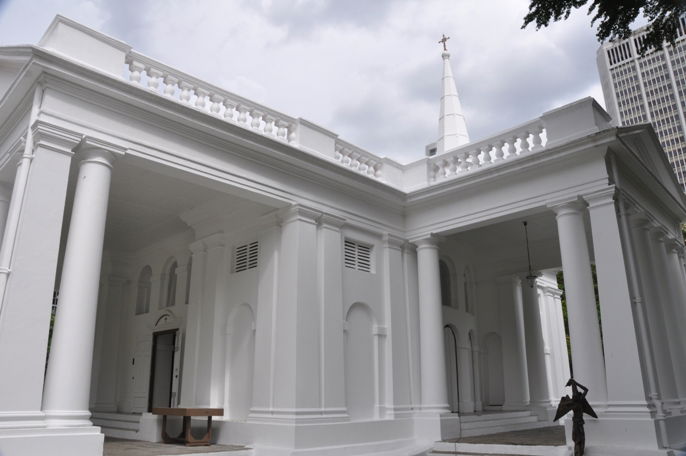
[
  {"x": 245, "y": 257},
  {"x": 358, "y": 256}
]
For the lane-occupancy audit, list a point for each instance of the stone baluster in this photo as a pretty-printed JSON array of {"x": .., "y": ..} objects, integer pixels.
[
  {"x": 201, "y": 100},
  {"x": 338, "y": 155},
  {"x": 363, "y": 165},
  {"x": 464, "y": 164},
  {"x": 154, "y": 77},
  {"x": 281, "y": 132},
  {"x": 186, "y": 92},
  {"x": 537, "y": 140},
  {"x": 345, "y": 156},
  {"x": 371, "y": 168},
  {"x": 216, "y": 103},
  {"x": 242, "y": 114},
  {"x": 256, "y": 118},
  {"x": 511, "y": 146},
  {"x": 230, "y": 110},
  {"x": 499, "y": 154},
  {"x": 355, "y": 162},
  {"x": 524, "y": 143},
  {"x": 292, "y": 133},
  {"x": 450, "y": 165},
  {"x": 136, "y": 69},
  {"x": 488, "y": 159},
  {"x": 269, "y": 125},
  {"x": 474, "y": 158},
  {"x": 170, "y": 83}
]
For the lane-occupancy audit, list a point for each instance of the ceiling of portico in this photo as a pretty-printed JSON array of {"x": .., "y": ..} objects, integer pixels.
[{"x": 145, "y": 206}]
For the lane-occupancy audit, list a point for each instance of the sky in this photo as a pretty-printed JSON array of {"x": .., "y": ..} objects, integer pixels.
[{"x": 369, "y": 70}]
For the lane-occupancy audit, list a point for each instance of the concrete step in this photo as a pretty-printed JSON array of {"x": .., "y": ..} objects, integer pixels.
[
  {"x": 499, "y": 422},
  {"x": 473, "y": 449},
  {"x": 504, "y": 428},
  {"x": 494, "y": 416},
  {"x": 118, "y": 425}
]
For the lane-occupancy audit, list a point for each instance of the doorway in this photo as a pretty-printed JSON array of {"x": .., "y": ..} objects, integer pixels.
[
  {"x": 451, "y": 367},
  {"x": 162, "y": 369}
]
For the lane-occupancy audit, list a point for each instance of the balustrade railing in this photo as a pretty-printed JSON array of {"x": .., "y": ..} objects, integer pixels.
[
  {"x": 186, "y": 89},
  {"x": 520, "y": 140},
  {"x": 358, "y": 159}
]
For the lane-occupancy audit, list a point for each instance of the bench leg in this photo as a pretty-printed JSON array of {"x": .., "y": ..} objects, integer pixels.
[{"x": 204, "y": 440}]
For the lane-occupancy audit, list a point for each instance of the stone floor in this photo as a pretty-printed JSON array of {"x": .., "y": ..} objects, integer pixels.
[
  {"x": 552, "y": 436},
  {"x": 119, "y": 447}
]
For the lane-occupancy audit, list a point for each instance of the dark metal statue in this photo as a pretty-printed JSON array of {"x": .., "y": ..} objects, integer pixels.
[{"x": 578, "y": 405}]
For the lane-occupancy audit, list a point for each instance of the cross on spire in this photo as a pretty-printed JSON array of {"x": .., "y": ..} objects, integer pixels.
[{"x": 443, "y": 41}]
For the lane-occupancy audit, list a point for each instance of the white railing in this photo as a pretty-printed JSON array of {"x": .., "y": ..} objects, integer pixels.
[
  {"x": 530, "y": 137},
  {"x": 358, "y": 159},
  {"x": 186, "y": 89}
]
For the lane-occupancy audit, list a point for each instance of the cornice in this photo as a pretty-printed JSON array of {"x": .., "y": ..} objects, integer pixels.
[{"x": 54, "y": 138}]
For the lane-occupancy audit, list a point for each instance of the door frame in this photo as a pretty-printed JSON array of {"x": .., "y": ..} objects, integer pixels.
[{"x": 153, "y": 355}]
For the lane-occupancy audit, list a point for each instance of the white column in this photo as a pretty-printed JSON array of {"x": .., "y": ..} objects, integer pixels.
[
  {"x": 587, "y": 353},
  {"x": 106, "y": 389},
  {"x": 330, "y": 258},
  {"x": 5, "y": 197},
  {"x": 191, "y": 347},
  {"x": 669, "y": 299},
  {"x": 432, "y": 356},
  {"x": 623, "y": 365},
  {"x": 28, "y": 263},
  {"x": 517, "y": 384},
  {"x": 653, "y": 310},
  {"x": 535, "y": 347},
  {"x": 65, "y": 399},
  {"x": 676, "y": 280},
  {"x": 476, "y": 369}
]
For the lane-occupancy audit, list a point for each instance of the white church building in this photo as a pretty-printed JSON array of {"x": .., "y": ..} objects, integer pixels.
[{"x": 203, "y": 250}]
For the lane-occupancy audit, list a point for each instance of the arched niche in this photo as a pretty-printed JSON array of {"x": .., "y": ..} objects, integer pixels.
[
  {"x": 168, "y": 283},
  {"x": 495, "y": 381},
  {"x": 240, "y": 360},
  {"x": 446, "y": 269},
  {"x": 450, "y": 338},
  {"x": 360, "y": 362}
]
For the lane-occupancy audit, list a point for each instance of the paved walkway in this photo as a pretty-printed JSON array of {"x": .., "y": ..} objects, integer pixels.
[{"x": 119, "y": 447}]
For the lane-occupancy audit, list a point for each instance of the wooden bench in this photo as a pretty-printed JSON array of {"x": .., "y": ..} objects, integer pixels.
[{"x": 186, "y": 436}]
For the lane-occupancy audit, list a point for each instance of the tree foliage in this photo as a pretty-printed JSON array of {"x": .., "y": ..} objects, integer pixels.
[{"x": 615, "y": 17}]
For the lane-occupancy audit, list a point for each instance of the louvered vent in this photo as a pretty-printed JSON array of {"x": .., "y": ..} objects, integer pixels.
[
  {"x": 245, "y": 257},
  {"x": 358, "y": 256}
]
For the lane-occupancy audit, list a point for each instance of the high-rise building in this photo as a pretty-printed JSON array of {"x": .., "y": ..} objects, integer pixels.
[{"x": 649, "y": 88}]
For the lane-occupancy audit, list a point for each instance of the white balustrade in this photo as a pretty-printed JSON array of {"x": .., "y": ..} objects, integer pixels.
[
  {"x": 470, "y": 157},
  {"x": 358, "y": 159},
  {"x": 186, "y": 89}
]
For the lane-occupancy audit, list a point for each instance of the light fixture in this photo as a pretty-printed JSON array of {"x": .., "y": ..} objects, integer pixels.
[{"x": 530, "y": 278}]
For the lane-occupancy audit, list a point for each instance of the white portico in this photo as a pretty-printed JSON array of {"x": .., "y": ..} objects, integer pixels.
[{"x": 207, "y": 251}]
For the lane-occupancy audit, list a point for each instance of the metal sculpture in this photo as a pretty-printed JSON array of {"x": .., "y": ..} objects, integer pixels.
[{"x": 578, "y": 405}]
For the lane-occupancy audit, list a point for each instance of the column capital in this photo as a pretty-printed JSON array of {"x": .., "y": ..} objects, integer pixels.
[
  {"x": 197, "y": 247},
  {"x": 330, "y": 221},
  {"x": 393, "y": 242},
  {"x": 89, "y": 143},
  {"x": 570, "y": 207},
  {"x": 54, "y": 138},
  {"x": 429, "y": 242},
  {"x": 214, "y": 240},
  {"x": 600, "y": 198},
  {"x": 658, "y": 233},
  {"x": 296, "y": 212}
]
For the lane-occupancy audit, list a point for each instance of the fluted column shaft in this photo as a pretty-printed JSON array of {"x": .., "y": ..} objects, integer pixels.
[
  {"x": 587, "y": 351},
  {"x": 432, "y": 350},
  {"x": 67, "y": 383},
  {"x": 535, "y": 347}
]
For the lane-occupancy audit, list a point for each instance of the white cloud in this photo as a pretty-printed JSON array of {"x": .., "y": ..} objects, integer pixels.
[{"x": 368, "y": 70}]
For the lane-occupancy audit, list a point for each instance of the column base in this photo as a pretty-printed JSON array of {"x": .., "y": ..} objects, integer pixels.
[
  {"x": 632, "y": 431},
  {"x": 304, "y": 416},
  {"x": 72, "y": 441},
  {"x": 68, "y": 418}
]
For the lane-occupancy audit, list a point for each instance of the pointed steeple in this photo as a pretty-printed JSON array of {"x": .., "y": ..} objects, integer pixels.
[{"x": 452, "y": 129}]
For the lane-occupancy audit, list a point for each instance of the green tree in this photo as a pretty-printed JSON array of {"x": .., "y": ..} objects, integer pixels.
[{"x": 615, "y": 17}]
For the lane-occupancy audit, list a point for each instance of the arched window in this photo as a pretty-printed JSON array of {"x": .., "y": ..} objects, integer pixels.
[
  {"x": 143, "y": 292},
  {"x": 171, "y": 285},
  {"x": 446, "y": 285}
]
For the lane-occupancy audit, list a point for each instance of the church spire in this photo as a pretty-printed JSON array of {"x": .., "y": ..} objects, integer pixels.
[{"x": 452, "y": 129}]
